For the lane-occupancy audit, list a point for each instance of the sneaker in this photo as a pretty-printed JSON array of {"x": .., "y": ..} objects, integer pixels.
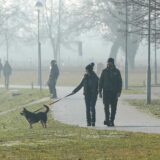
[
  {"x": 54, "y": 97},
  {"x": 112, "y": 124},
  {"x": 106, "y": 123},
  {"x": 88, "y": 124},
  {"x": 93, "y": 124}
]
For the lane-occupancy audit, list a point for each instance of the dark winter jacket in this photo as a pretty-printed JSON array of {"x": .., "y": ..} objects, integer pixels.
[
  {"x": 110, "y": 80},
  {"x": 89, "y": 84},
  {"x": 54, "y": 72}
]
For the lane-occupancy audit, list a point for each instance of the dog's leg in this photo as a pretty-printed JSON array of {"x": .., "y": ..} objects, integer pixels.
[
  {"x": 45, "y": 125},
  {"x": 42, "y": 124},
  {"x": 30, "y": 125}
]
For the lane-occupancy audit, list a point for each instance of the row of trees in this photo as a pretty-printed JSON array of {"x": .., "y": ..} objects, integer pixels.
[
  {"x": 61, "y": 22},
  {"x": 110, "y": 18},
  {"x": 14, "y": 23},
  {"x": 19, "y": 23}
]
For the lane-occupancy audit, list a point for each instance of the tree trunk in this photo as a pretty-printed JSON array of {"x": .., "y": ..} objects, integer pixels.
[{"x": 114, "y": 49}]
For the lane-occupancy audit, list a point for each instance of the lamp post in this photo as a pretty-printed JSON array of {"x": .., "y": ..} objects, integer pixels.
[
  {"x": 39, "y": 5},
  {"x": 126, "y": 48},
  {"x": 59, "y": 33},
  {"x": 149, "y": 55},
  {"x": 155, "y": 60}
]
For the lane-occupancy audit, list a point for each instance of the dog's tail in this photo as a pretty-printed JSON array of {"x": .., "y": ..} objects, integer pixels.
[{"x": 47, "y": 108}]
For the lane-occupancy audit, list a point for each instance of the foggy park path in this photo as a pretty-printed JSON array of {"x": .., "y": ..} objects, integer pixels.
[{"x": 72, "y": 111}]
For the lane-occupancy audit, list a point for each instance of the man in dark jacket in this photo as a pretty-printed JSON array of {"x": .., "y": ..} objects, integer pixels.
[
  {"x": 111, "y": 85},
  {"x": 7, "y": 71},
  {"x": 90, "y": 85},
  {"x": 53, "y": 76}
]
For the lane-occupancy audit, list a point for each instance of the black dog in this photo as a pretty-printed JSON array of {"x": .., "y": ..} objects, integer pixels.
[{"x": 36, "y": 117}]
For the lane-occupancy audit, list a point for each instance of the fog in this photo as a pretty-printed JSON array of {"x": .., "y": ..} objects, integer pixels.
[
  {"x": 98, "y": 25},
  {"x": 95, "y": 49}
]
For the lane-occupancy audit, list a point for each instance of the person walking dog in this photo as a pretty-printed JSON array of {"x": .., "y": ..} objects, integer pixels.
[
  {"x": 111, "y": 84},
  {"x": 90, "y": 86}
]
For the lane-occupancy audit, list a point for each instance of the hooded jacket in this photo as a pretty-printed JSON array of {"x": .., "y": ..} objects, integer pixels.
[
  {"x": 54, "y": 72},
  {"x": 110, "y": 80}
]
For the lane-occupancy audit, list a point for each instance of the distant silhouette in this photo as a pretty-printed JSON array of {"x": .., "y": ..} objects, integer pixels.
[
  {"x": 53, "y": 76},
  {"x": 1, "y": 68},
  {"x": 7, "y": 71}
]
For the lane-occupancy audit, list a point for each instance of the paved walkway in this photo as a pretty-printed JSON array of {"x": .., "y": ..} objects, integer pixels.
[{"x": 72, "y": 111}]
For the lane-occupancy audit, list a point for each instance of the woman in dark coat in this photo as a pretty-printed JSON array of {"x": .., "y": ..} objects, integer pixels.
[{"x": 90, "y": 86}]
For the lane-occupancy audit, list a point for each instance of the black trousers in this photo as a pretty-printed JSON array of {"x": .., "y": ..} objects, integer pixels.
[
  {"x": 52, "y": 87},
  {"x": 90, "y": 101},
  {"x": 110, "y": 100}
]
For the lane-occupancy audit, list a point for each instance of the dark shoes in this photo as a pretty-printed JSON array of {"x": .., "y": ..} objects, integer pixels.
[
  {"x": 112, "y": 124},
  {"x": 53, "y": 97},
  {"x": 88, "y": 124},
  {"x": 91, "y": 124},
  {"x": 109, "y": 123}
]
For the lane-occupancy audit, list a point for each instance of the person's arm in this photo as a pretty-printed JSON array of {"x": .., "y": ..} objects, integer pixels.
[
  {"x": 55, "y": 72},
  {"x": 97, "y": 83},
  {"x": 78, "y": 87},
  {"x": 119, "y": 83},
  {"x": 101, "y": 84}
]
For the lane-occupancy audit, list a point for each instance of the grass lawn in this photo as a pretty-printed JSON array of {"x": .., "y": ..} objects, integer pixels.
[
  {"x": 135, "y": 90},
  {"x": 64, "y": 142},
  {"x": 9, "y": 99},
  {"x": 153, "y": 108}
]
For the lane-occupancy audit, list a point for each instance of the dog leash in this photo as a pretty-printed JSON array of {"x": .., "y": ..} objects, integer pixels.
[
  {"x": 61, "y": 99},
  {"x": 55, "y": 101}
]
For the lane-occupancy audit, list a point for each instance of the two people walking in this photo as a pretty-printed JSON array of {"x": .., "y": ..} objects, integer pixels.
[{"x": 109, "y": 87}]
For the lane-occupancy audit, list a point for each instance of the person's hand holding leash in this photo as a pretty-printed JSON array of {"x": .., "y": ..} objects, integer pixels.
[{"x": 73, "y": 92}]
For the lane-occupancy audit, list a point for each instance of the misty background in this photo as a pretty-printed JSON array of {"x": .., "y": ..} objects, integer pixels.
[
  {"x": 77, "y": 32},
  {"x": 95, "y": 49},
  {"x": 19, "y": 33}
]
